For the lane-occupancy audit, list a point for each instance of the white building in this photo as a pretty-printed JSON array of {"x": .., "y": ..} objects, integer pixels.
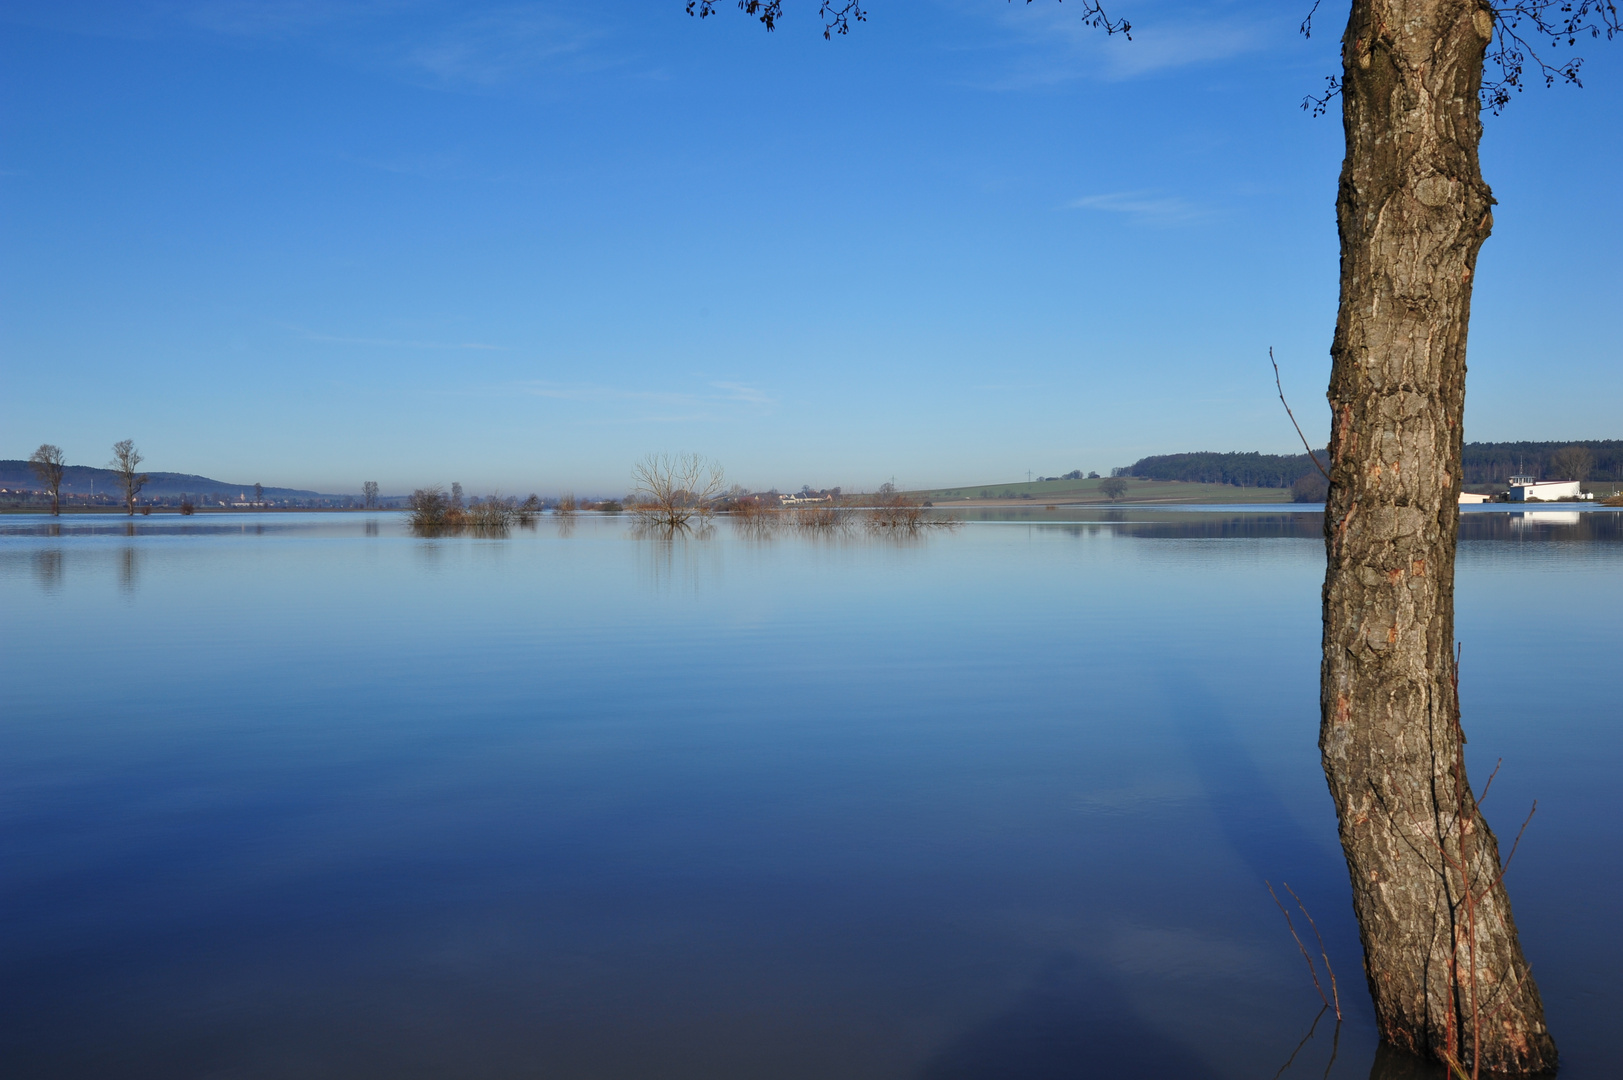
[
  {"x": 1527, "y": 489},
  {"x": 1466, "y": 497}
]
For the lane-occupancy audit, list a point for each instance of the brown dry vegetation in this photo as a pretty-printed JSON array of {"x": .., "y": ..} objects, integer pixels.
[
  {"x": 433, "y": 513},
  {"x": 672, "y": 489}
]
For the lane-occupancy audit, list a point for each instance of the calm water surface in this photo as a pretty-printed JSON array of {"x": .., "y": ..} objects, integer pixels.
[{"x": 306, "y": 796}]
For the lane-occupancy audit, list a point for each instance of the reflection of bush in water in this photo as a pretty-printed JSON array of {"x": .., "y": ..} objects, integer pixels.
[{"x": 894, "y": 516}]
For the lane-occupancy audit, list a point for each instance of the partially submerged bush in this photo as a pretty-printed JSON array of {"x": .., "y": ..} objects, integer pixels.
[
  {"x": 430, "y": 508},
  {"x": 894, "y": 512},
  {"x": 491, "y": 514},
  {"x": 821, "y": 519},
  {"x": 435, "y": 513},
  {"x": 672, "y": 489}
]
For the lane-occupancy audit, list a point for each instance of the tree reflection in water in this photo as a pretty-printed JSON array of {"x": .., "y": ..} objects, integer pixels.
[
  {"x": 129, "y": 565},
  {"x": 48, "y": 567}
]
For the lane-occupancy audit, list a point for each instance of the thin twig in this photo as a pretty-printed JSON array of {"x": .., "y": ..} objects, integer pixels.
[
  {"x": 1310, "y": 452},
  {"x": 1311, "y": 971},
  {"x": 1480, "y": 798},
  {"x": 1506, "y": 868},
  {"x": 1324, "y": 953}
]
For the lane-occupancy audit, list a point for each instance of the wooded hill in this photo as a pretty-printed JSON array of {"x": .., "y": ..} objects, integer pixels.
[
  {"x": 1485, "y": 463},
  {"x": 1239, "y": 470},
  {"x": 1495, "y": 463},
  {"x": 16, "y": 475}
]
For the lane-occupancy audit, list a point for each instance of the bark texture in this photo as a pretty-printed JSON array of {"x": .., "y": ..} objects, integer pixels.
[{"x": 1441, "y": 954}]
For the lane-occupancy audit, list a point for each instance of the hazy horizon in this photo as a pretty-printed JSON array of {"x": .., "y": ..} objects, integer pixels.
[{"x": 522, "y": 245}]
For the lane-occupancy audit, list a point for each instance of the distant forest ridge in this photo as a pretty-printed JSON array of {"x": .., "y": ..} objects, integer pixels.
[
  {"x": 84, "y": 479},
  {"x": 1495, "y": 463},
  {"x": 1241, "y": 470},
  {"x": 1485, "y": 463}
]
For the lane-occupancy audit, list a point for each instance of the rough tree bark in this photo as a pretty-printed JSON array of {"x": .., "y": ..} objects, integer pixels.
[{"x": 1441, "y": 955}]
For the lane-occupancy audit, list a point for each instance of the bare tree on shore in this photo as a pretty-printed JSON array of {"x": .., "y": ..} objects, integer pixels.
[
  {"x": 1571, "y": 463},
  {"x": 48, "y": 464},
  {"x": 127, "y": 463},
  {"x": 672, "y": 489},
  {"x": 369, "y": 493}
]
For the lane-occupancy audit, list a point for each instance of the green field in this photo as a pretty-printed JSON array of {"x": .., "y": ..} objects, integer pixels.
[{"x": 1072, "y": 492}]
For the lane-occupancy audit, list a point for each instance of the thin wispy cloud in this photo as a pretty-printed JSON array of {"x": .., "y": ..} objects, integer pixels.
[
  {"x": 1046, "y": 45},
  {"x": 500, "y": 44},
  {"x": 749, "y": 395},
  {"x": 464, "y": 45},
  {"x": 1142, "y": 206}
]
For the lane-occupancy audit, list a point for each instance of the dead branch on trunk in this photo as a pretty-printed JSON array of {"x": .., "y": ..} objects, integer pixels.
[{"x": 1311, "y": 453}]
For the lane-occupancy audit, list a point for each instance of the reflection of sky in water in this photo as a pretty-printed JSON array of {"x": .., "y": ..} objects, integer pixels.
[{"x": 308, "y": 796}]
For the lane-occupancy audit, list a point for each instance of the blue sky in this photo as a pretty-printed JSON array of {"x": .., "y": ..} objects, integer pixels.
[{"x": 520, "y": 245}]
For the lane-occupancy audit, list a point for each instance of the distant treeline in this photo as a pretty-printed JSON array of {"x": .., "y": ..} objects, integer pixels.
[
  {"x": 1241, "y": 470},
  {"x": 1496, "y": 462},
  {"x": 1485, "y": 463}
]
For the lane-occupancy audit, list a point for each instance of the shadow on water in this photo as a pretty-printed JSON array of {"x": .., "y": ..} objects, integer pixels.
[
  {"x": 1254, "y": 819},
  {"x": 1073, "y": 1021}
]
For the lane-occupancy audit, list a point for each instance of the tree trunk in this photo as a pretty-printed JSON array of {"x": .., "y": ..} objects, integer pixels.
[{"x": 1441, "y": 954}]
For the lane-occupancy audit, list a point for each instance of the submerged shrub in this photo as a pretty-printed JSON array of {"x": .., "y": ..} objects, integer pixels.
[
  {"x": 430, "y": 507},
  {"x": 491, "y": 514}
]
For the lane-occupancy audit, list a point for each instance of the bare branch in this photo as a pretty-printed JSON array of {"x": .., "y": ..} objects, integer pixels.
[
  {"x": 1306, "y": 29},
  {"x": 1516, "y": 26},
  {"x": 1312, "y": 456},
  {"x": 838, "y": 15},
  {"x": 672, "y": 489},
  {"x": 1324, "y": 954},
  {"x": 1311, "y": 970},
  {"x": 1094, "y": 15}
]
